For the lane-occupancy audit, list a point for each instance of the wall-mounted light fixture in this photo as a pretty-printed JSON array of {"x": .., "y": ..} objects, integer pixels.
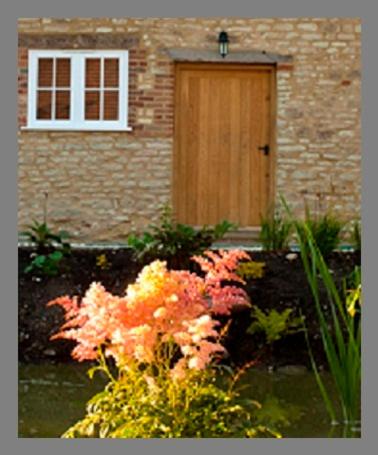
[{"x": 223, "y": 44}]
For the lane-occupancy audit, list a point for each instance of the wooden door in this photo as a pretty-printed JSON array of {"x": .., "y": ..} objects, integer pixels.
[{"x": 224, "y": 114}]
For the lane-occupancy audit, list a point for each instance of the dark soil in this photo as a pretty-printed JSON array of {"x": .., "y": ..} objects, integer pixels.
[{"x": 283, "y": 285}]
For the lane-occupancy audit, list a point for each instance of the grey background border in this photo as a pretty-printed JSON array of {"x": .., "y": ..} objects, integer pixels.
[{"x": 9, "y": 444}]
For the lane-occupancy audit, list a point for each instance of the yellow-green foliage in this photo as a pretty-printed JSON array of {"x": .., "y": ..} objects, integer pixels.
[
  {"x": 102, "y": 262},
  {"x": 275, "y": 324},
  {"x": 251, "y": 269},
  {"x": 139, "y": 405}
]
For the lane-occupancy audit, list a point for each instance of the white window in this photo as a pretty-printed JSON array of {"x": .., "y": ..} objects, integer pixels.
[{"x": 78, "y": 90}]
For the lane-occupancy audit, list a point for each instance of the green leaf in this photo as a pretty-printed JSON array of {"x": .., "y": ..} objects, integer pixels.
[
  {"x": 28, "y": 269},
  {"x": 56, "y": 256},
  {"x": 40, "y": 260}
]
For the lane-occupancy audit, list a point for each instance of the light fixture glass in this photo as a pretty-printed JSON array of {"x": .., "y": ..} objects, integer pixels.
[{"x": 223, "y": 44}]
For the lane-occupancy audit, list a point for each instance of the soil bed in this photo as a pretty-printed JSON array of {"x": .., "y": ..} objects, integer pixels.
[{"x": 283, "y": 285}]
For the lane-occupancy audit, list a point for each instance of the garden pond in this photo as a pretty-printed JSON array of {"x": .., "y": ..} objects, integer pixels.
[{"x": 53, "y": 396}]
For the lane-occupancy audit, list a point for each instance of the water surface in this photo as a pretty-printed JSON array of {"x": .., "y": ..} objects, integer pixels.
[{"x": 53, "y": 397}]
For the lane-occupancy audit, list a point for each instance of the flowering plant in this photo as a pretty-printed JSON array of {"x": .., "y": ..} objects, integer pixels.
[{"x": 162, "y": 337}]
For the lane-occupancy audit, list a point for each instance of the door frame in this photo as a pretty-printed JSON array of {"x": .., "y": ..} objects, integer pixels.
[{"x": 272, "y": 68}]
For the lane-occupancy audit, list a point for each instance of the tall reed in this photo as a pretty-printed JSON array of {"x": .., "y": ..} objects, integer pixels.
[{"x": 341, "y": 336}]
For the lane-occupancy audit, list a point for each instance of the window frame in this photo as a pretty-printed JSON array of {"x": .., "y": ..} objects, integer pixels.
[{"x": 77, "y": 91}]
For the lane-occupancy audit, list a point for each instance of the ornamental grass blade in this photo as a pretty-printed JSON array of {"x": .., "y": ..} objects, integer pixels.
[{"x": 342, "y": 343}]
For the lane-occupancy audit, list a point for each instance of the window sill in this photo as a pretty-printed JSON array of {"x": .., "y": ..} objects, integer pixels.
[{"x": 77, "y": 130}]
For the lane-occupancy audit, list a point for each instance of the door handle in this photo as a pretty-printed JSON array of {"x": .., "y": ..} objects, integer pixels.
[{"x": 265, "y": 149}]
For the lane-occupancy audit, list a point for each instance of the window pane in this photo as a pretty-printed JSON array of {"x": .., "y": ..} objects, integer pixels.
[
  {"x": 111, "y": 72},
  {"x": 44, "y": 104},
  {"x": 92, "y": 105},
  {"x": 92, "y": 72},
  {"x": 45, "y": 72},
  {"x": 63, "y": 72},
  {"x": 62, "y": 105},
  {"x": 111, "y": 105}
]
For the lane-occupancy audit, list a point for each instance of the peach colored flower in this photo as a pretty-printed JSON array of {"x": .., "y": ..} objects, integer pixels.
[
  {"x": 178, "y": 372},
  {"x": 188, "y": 350},
  {"x": 202, "y": 327},
  {"x": 196, "y": 363},
  {"x": 161, "y": 312},
  {"x": 160, "y": 306}
]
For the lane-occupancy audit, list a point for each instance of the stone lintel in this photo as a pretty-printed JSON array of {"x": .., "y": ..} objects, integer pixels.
[{"x": 252, "y": 56}]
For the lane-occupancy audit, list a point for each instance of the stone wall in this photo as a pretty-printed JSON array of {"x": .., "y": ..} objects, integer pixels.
[{"x": 102, "y": 185}]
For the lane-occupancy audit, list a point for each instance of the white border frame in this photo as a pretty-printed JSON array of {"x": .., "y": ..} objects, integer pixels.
[{"x": 77, "y": 122}]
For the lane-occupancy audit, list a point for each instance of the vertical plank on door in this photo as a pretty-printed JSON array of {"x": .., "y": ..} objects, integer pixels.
[
  {"x": 190, "y": 173},
  {"x": 224, "y": 151},
  {"x": 245, "y": 153},
  {"x": 235, "y": 164},
  {"x": 203, "y": 155}
]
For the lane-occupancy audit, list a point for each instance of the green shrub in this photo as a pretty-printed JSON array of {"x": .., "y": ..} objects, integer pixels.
[
  {"x": 275, "y": 231},
  {"x": 50, "y": 246},
  {"x": 50, "y": 249},
  {"x": 45, "y": 264},
  {"x": 175, "y": 242},
  {"x": 275, "y": 324},
  {"x": 194, "y": 408},
  {"x": 43, "y": 237},
  {"x": 325, "y": 230}
]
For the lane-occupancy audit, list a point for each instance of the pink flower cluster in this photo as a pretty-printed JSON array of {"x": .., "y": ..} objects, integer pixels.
[{"x": 162, "y": 306}]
